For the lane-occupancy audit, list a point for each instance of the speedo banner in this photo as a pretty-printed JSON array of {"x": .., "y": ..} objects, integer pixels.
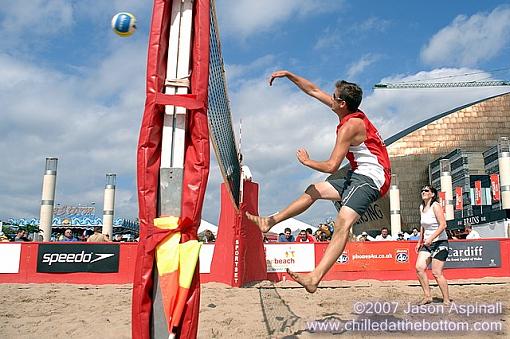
[{"x": 68, "y": 258}]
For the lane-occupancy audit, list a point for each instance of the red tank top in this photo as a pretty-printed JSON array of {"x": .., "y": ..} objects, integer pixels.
[{"x": 369, "y": 158}]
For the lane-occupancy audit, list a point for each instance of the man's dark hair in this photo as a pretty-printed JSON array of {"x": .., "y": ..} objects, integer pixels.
[
  {"x": 98, "y": 229},
  {"x": 350, "y": 93},
  {"x": 384, "y": 228},
  {"x": 287, "y": 230}
]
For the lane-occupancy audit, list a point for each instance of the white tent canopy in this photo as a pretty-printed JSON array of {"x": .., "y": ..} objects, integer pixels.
[
  {"x": 205, "y": 225},
  {"x": 294, "y": 225}
]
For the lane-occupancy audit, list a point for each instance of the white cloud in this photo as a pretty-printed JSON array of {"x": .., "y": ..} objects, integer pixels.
[
  {"x": 468, "y": 41},
  {"x": 360, "y": 65},
  {"x": 236, "y": 73},
  {"x": 89, "y": 121},
  {"x": 36, "y": 17},
  {"x": 243, "y": 18},
  {"x": 336, "y": 35}
]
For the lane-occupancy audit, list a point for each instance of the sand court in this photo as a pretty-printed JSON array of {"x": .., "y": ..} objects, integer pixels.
[{"x": 262, "y": 310}]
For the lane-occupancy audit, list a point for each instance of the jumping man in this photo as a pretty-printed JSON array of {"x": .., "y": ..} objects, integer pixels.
[{"x": 369, "y": 178}]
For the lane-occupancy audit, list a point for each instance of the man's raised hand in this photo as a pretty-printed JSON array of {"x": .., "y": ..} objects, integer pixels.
[{"x": 277, "y": 74}]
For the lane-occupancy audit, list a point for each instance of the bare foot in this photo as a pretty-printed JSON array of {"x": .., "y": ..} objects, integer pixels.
[
  {"x": 304, "y": 280},
  {"x": 447, "y": 303},
  {"x": 264, "y": 223},
  {"x": 425, "y": 301}
]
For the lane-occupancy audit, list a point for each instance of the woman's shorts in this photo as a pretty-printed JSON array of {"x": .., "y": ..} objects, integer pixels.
[
  {"x": 357, "y": 191},
  {"x": 438, "y": 250}
]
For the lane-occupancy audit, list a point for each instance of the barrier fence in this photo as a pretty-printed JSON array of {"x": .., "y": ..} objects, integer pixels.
[{"x": 82, "y": 263}]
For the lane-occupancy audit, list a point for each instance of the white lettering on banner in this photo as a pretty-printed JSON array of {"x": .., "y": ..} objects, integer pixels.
[
  {"x": 296, "y": 257},
  {"x": 236, "y": 259},
  {"x": 51, "y": 258},
  {"x": 10, "y": 254}
]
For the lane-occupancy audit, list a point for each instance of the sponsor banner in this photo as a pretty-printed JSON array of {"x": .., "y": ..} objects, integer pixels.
[
  {"x": 496, "y": 195},
  {"x": 10, "y": 256},
  {"x": 474, "y": 254},
  {"x": 206, "y": 254},
  {"x": 478, "y": 193},
  {"x": 459, "y": 203},
  {"x": 371, "y": 256},
  {"x": 67, "y": 258},
  {"x": 296, "y": 257}
]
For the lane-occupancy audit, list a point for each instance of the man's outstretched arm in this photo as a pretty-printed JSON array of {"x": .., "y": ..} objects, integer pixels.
[{"x": 305, "y": 85}]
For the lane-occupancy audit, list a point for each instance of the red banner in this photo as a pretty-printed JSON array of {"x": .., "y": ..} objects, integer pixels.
[
  {"x": 459, "y": 203},
  {"x": 496, "y": 195},
  {"x": 377, "y": 255},
  {"x": 478, "y": 193},
  {"x": 442, "y": 200}
]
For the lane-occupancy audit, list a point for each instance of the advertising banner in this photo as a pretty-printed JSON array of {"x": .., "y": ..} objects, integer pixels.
[
  {"x": 72, "y": 257},
  {"x": 459, "y": 203},
  {"x": 296, "y": 257},
  {"x": 478, "y": 193},
  {"x": 474, "y": 254},
  {"x": 379, "y": 255},
  {"x": 9, "y": 257},
  {"x": 496, "y": 195}
]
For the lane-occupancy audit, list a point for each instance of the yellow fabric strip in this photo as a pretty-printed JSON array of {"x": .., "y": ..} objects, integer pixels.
[
  {"x": 167, "y": 254},
  {"x": 166, "y": 223},
  {"x": 189, "y": 252}
]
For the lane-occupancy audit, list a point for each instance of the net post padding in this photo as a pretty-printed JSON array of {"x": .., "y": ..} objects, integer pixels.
[
  {"x": 238, "y": 256},
  {"x": 196, "y": 163}
]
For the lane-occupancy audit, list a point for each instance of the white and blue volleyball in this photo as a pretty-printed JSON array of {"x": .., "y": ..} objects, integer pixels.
[{"x": 124, "y": 24}]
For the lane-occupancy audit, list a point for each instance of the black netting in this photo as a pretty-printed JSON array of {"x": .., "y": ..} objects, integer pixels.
[{"x": 220, "y": 117}]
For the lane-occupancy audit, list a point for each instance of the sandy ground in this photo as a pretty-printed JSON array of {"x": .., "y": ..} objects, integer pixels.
[{"x": 264, "y": 310}]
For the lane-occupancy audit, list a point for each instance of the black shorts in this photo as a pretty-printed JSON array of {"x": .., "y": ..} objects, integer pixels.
[
  {"x": 357, "y": 191},
  {"x": 438, "y": 249}
]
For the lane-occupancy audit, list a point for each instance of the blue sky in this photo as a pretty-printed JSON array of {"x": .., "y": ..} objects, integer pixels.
[{"x": 72, "y": 89}]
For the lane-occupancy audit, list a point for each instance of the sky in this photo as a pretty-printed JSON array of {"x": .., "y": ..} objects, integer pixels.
[{"x": 72, "y": 89}]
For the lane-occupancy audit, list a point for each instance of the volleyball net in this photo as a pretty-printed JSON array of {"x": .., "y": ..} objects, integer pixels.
[{"x": 220, "y": 117}]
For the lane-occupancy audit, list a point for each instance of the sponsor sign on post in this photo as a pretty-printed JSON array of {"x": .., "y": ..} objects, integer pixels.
[
  {"x": 474, "y": 254},
  {"x": 478, "y": 193},
  {"x": 458, "y": 199},
  {"x": 296, "y": 257},
  {"x": 67, "y": 258},
  {"x": 496, "y": 195}
]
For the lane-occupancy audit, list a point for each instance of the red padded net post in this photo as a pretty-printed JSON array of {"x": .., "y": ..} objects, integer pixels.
[{"x": 239, "y": 250}]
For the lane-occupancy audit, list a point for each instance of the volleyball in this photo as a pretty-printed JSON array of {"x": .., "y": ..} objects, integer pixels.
[{"x": 124, "y": 24}]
